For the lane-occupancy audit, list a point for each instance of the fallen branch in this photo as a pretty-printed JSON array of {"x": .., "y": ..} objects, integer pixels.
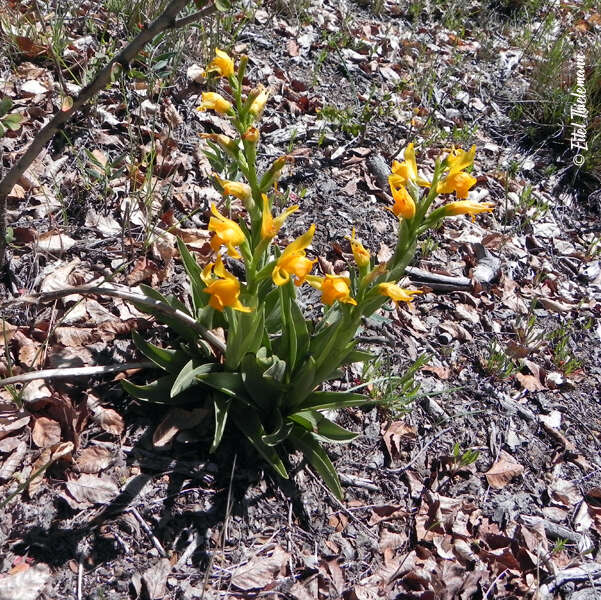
[
  {"x": 439, "y": 283},
  {"x": 167, "y": 20},
  {"x": 585, "y": 572},
  {"x": 151, "y": 303},
  {"x": 552, "y": 530},
  {"x": 74, "y": 372}
]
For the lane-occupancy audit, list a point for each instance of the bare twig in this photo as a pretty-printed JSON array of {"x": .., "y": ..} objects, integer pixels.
[
  {"x": 74, "y": 372},
  {"x": 167, "y": 20},
  {"x": 151, "y": 303},
  {"x": 491, "y": 587},
  {"x": 148, "y": 531},
  {"x": 205, "y": 12},
  {"x": 80, "y": 578}
]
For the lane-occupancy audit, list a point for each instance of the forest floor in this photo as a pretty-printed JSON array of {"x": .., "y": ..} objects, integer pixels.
[{"x": 485, "y": 482}]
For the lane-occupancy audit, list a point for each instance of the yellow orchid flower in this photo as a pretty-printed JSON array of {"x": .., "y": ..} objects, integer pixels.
[
  {"x": 406, "y": 171},
  {"x": 467, "y": 207},
  {"x": 293, "y": 261},
  {"x": 216, "y": 102},
  {"x": 222, "y": 64},
  {"x": 227, "y": 233},
  {"x": 258, "y": 104},
  {"x": 460, "y": 183},
  {"x": 269, "y": 225},
  {"x": 456, "y": 180},
  {"x": 404, "y": 206},
  {"x": 362, "y": 256},
  {"x": 223, "y": 287},
  {"x": 240, "y": 190},
  {"x": 227, "y": 143},
  {"x": 333, "y": 287},
  {"x": 395, "y": 293},
  {"x": 459, "y": 159}
]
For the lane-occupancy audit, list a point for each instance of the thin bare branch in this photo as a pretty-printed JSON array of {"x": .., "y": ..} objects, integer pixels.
[
  {"x": 151, "y": 303},
  {"x": 205, "y": 12},
  {"x": 74, "y": 372}
]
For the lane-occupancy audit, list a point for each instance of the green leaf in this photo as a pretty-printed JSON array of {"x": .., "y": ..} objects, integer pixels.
[
  {"x": 230, "y": 384},
  {"x": 286, "y": 345},
  {"x": 5, "y": 105},
  {"x": 329, "y": 400},
  {"x": 301, "y": 335},
  {"x": 189, "y": 376},
  {"x": 13, "y": 121},
  {"x": 280, "y": 432},
  {"x": 303, "y": 385},
  {"x": 323, "y": 428},
  {"x": 273, "y": 311},
  {"x": 184, "y": 331},
  {"x": 250, "y": 425},
  {"x": 172, "y": 301},
  {"x": 316, "y": 456},
  {"x": 245, "y": 338},
  {"x": 222, "y": 5},
  {"x": 171, "y": 361},
  {"x": 264, "y": 392},
  {"x": 157, "y": 391},
  {"x": 221, "y": 406},
  {"x": 277, "y": 437},
  {"x": 358, "y": 356},
  {"x": 277, "y": 371},
  {"x": 323, "y": 343},
  {"x": 199, "y": 298}
]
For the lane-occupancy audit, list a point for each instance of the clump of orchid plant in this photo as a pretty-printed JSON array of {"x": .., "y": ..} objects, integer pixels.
[{"x": 265, "y": 377}]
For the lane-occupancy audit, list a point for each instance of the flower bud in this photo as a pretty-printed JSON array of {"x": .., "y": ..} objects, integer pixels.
[
  {"x": 257, "y": 107},
  {"x": 251, "y": 135}
]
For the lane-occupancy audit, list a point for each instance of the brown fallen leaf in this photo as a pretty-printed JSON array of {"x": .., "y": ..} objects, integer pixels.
[
  {"x": 260, "y": 570},
  {"x": 24, "y": 584},
  {"x": 154, "y": 579},
  {"x": 13, "y": 462},
  {"x": 338, "y": 521},
  {"x": 6, "y": 331},
  {"x": 394, "y": 434},
  {"x": 46, "y": 432},
  {"x": 90, "y": 489},
  {"x": 441, "y": 372},
  {"x": 503, "y": 471},
  {"x": 94, "y": 459},
  {"x": 13, "y": 423},
  {"x": 97, "y": 162},
  {"x": 559, "y": 437},
  {"x": 530, "y": 382},
  {"x": 9, "y": 444},
  {"x": 30, "y": 48},
  {"x": 386, "y": 512},
  {"x": 46, "y": 458},
  {"x": 54, "y": 242},
  {"x": 59, "y": 277},
  {"x": 107, "y": 418}
]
